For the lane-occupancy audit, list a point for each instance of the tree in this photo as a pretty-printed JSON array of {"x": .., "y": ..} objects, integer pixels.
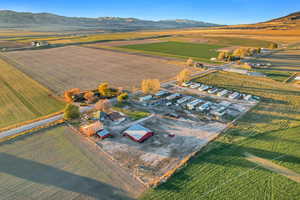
[
  {"x": 103, "y": 89},
  {"x": 222, "y": 55},
  {"x": 122, "y": 97},
  {"x": 150, "y": 86},
  {"x": 273, "y": 46},
  {"x": 247, "y": 66},
  {"x": 190, "y": 62},
  {"x": 71, "y": 112},
  {"x": 69, "y": 94},
  {"x": 183, "y": 76},
  {"x": 103, "y": 105},
  {"x": 89, "y": 96}
]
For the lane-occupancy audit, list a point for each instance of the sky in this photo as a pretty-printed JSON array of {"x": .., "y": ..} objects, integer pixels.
[{"x": 214, "y": 11}]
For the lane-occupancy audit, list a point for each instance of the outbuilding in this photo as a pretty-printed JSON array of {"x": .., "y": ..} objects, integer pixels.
[
  {"x": 91, "y": 129},
  {"x": 104, "y": 134},
  {"x": 138, "y": 133}
]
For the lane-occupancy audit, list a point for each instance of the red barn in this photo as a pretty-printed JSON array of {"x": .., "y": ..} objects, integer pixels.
[{"x": 138, "y": 133}]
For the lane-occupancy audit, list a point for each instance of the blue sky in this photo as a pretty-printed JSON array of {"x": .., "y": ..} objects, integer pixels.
[{"x": 216, "y": 11}]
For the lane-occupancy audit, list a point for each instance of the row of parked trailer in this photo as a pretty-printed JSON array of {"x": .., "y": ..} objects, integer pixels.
[
  {"x": 220, "y": 92},
  {"x": 185, "y": 101}
]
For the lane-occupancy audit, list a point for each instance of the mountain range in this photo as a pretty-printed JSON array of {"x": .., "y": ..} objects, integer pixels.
[
  {"x": 48, "y": 21},
  {"x": 288, "y": 22}
]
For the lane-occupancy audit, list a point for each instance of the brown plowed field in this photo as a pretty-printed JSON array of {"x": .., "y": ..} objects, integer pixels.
[{"x": 68, "y": 67}]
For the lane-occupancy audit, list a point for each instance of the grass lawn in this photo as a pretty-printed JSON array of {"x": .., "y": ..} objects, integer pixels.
[
  {"x": 269, "y": 131},
  {"x": 178, "y": 49},
  {"x": 22, "y": 98},
  {"x": 133, "y": 114}
]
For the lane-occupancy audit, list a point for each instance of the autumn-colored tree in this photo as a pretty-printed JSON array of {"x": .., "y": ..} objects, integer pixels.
[
  {"x": 222, "y": 55},
  {"x": 122, "y": 97},
  {"x": 190, "y": 62},
  {"x": 241, "y": 52},
  {"x": 247, "y": 66},
  {"x": 150, "y": 86},
  {"x": 71, "y": 112},
  {"x": 183, "y": 76},
  {"x": 89, "y": 96},
  {"x": 103, "y": 89},
  {"x": 69, "y": 93},
  {"x": 103, "y": 105},
  {"x": 273, "y": 46}
]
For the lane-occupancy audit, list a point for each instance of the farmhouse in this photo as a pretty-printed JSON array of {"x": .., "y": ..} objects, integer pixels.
[
  {"x": 91, "y": 129},
  {"x": 39, "y": 43},
  {"x": 116, "y": 117},
  {"x": 138, "y": 133}
]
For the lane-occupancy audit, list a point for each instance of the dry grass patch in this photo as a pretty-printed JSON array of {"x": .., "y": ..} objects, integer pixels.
[
  {"x": 78, "y": 67},
  {"x": 22, "y": 98}
]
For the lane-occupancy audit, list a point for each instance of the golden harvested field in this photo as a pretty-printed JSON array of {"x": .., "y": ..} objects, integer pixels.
[
  {"x": 22, "y": 98},
  {"x": 68, "y": 67},
  {"x": 287, "y": 60}
]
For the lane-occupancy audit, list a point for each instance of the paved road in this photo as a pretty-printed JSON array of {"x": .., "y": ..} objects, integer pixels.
[
  {"x": 26, "y": 127},
  {"x": 20, "y": 129}
]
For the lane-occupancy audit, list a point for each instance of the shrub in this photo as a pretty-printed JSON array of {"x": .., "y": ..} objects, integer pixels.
[
  {"x": 273, "y": 46},
  {"x": 190, "y": 62},
  {"x": 222, "y": 55},
  {"x": 103, "y": 89},
  {"x": 71, "y": 112},
  {"x": 122, "y": 97}
]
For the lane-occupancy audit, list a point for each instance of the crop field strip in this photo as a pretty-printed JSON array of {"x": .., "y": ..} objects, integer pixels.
[
  {"x": 269, "y": 131},
  {"x": 55, "y": 163},
  {"x": 69, "y": 67},
  {"x": 22, "y": 98},
  {"x": 178, "y": 49}
]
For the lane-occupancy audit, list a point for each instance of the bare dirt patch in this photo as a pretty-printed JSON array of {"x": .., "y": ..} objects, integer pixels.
[
  {"x": 172, "y": 142},
  {"x": 68, "y": 67},
  {"x": 267, "y": 164}
]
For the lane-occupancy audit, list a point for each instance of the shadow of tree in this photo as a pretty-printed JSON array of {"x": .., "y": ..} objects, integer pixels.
[{"x": 48, "y": 175}]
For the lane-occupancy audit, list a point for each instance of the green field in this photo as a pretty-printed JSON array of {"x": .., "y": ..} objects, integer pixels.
[
  {"x": 22, "y": 98},
  {"x": 56, "y": 163},
  {"x": 269, "y": 131},
  {"x": 276, "y": 75},
  {"x": 178, "y": 49},
  {"x": 219, "y": 40}
]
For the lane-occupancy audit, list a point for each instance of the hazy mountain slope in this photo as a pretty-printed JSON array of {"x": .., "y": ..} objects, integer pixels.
[
  {"x": 26, "y": 20},
  {"x": 291, "y": 21}
]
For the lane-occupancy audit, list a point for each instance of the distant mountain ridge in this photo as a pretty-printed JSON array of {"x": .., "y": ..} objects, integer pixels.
[
  {"x": 28, "y": 20},
  {"x": 288, "y": 22}
]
